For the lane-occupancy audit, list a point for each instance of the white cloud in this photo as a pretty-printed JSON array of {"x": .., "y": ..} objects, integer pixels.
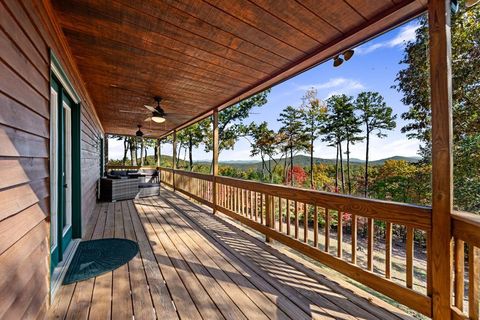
[
  {"x": 336, "y": 86},
  {"x": 405, "y": 34}
]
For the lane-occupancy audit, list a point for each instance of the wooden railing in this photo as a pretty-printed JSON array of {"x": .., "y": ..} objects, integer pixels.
[
  {"x": 292, "y": 216},
  {"x": 122, "y": 167},
  {"x": 466, "y": 233}
]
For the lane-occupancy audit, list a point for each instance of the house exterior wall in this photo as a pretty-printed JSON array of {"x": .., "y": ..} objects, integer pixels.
[{"x": 28, "y": 31}]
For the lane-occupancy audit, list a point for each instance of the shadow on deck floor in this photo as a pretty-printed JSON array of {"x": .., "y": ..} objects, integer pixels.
[{"x": 193, "y": 265}]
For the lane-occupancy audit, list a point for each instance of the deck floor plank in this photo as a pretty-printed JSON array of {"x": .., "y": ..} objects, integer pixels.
[
  {"x": 239, "y": 304},
  {"x": 161, "y": 297},
  {"x": 200, "y": 296},
  {"x": 260, "y": 285},
  {"x": 193, "y": 265},
  {"x": 141, "y": 298},
  {"x": 121, "y": 297},
  {"x": 101, "y": 305}
]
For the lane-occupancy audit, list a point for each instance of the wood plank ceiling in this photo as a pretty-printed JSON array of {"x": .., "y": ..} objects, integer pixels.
[{"x": 199, "y": 55}]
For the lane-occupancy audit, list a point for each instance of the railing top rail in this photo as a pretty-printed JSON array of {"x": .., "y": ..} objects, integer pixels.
[
  {"x": 466, "y": 226},
  {"x": 122, "y": 167},
  {"x": 402, "y": 213},
  {"x": 197, "y": 175}
]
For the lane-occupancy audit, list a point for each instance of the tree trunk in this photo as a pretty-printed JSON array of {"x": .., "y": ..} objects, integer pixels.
[
  {"x": 190, "y": 156},
  {"x": 125, "y": 150},
  {"x": 155, "y": 153},
  {"x": 336, "y": 171},
  {"x": 142, "y": 147},
  {"x": 312, "y": 186},
  {"x": 341, "y": 168},
  {"x": 285, "y": 168},
  {"x": 291, "y": 166},
  {"x": 270, "y": 170},
  {"x": 145, "y": 157},
  {"x": 133, "y": 152},
  {"x": 349, "y": 181},
  {"x": 366, "y": 163}
]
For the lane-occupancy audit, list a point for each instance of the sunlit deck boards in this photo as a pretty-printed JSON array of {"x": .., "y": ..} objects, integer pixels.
[{"x": 193, "y": 265}]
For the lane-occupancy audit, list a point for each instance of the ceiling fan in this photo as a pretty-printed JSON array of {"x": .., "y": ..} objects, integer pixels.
[{"x": 158, "y": 114}]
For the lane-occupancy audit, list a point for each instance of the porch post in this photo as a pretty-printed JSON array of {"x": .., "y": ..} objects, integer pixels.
[
  {"x": 159, "y": 147},
  {"x": 442, "y": 170},
  {"x": 215, "y": 160},
  {"x": 174, "y": 157}
]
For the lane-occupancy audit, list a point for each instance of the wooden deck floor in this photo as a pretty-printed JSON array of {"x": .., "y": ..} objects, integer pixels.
[{"x": 193, "y": 265}]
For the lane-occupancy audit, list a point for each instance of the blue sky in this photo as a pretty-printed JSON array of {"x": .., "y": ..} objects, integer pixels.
[{"x": 372, "y": 68}]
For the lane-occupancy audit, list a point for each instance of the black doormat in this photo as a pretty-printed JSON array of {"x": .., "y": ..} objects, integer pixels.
[{"x": 95, "y": 257}]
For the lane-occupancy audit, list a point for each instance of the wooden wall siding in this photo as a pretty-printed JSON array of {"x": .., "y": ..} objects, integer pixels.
[
  {"x": 26, "y": 34},
  {"x": 204, "y": 54}
]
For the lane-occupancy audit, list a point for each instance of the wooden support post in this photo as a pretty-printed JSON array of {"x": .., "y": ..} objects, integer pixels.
[
  {"x": 442, "y": 170},
  {"x": 174, "y": 157},
  {"x": 159, "y": 148},
  {"x": 215, "y": 160}
]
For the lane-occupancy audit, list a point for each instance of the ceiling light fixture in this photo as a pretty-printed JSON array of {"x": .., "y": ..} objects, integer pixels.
[
  {"x": 337, "y": 61},
  {"x": 139, "y": 132},
  {"x": 347, "y": 55}
]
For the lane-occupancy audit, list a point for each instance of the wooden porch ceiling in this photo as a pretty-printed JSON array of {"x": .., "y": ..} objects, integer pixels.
[{"x": 199, "y": 55}]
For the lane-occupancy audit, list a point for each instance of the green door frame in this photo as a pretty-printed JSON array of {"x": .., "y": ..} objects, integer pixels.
[{"x": 59, "y": 82}]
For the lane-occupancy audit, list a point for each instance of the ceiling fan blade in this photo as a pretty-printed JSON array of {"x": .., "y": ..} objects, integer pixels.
[
  {"x": 130, "y": 111},
  {"x": 148, "y": 119},
  {"x": 150, "y": 108}
]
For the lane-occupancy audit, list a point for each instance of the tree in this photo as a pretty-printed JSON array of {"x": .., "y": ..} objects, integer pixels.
[
  {"x": 294, "y": 137},
  {"x": 297, "y": 175},
  {"x": 413, "y": 82},
  {"x": 263, "y": 142},
  {"x": 314, "y": 113},
  {"x": 342, "y": 125},
  {"x": 230, "y": 122},
  {"x": 189, "y": 138},
  {"x": 377, "y": 117}
]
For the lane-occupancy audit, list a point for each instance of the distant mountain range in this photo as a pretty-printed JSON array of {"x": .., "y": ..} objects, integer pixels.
[{"x": 304, "y": 161}]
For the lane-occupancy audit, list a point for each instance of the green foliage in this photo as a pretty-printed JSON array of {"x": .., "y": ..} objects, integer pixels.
[
  {"x": 413, "y": 82},
  {"x": 293, "y": 138},
  {"x": 230, "y": 124},
  {"x": 376, "y": 116}
]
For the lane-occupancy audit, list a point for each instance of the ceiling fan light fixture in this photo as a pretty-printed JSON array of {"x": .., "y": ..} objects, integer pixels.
[
  {"x": 337, "y": 61},
  {"x": 158, "y": 119},
  {"x": 348, "y": 54}
]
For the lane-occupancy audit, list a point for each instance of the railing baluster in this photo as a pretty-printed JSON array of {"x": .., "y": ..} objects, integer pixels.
[
  {"x": 459, "y": 273},
  {"x": 339, "y": 234},
  {"x": 409, "y": 249},
  {"x": 388, "y": 250},
  {"x": 354, "y": 239},
  {"x": 256, "y": 205},
  {"x": 261, "y": 208},
  {"x": 280, "y": 214},
  {"x": 370, "y": 245},
  {"x": 315, "y": 226},
  {"x": 288, "y": 217},
  {"x": 473, "y": 281},
  {"x": 305, "y": 223},
  {"x": 296, "y": 219},
  {"x": 327, "y": 230}
]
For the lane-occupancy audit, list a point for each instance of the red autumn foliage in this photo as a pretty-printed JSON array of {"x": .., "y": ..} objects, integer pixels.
[{"x": 299, "y": 175}]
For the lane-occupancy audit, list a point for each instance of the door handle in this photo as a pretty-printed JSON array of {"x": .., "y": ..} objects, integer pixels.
[{"x": 65, "y": 185}]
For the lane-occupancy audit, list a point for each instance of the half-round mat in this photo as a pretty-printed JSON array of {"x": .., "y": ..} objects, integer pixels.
[{"x": 95, "y": 257}]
